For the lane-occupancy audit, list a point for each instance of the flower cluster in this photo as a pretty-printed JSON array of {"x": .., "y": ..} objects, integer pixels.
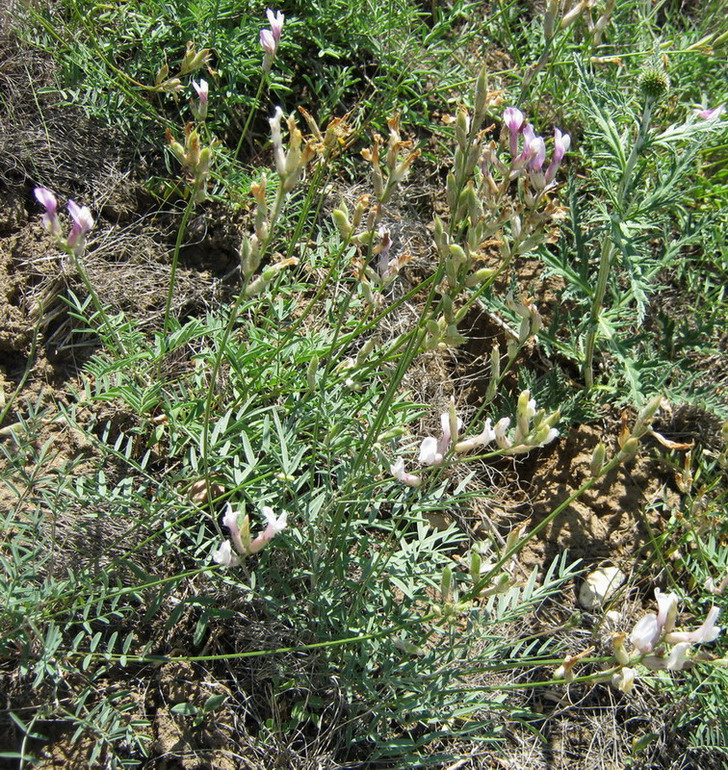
[
  {"x": 81, "y": 220},
  {"x": 533, "y": 429},
  {"x": 528, "y": 151},
  {"x": 290, "y": 165},
  {"x": 240, "y": 535},
  {"x": 269, "y": 38},
  {"x": 656, "y": 644},
  {"x": 194, "y": 158}
]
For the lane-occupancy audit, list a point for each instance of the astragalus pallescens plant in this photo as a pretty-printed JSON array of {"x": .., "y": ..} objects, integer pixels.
[{"x": 499, "y": 194}]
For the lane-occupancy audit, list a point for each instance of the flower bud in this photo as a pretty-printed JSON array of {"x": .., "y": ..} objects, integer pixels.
[
  {"x": 597, "y": 460},
  {"x": 479, "y": 277},
  {"x": 446, "y": 585},
  {"x": 342, "y": 223},
  {"x": 629, "y": 450}
]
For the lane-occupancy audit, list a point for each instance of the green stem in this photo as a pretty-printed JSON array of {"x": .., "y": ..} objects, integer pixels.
[
  {"x": 531, "y": 74},
  {"x": 28, "y": 366},
  {"x": 96, "y": 302},
  {"x": 254, "y": 107},
  {"x": 175, "y": 257}
]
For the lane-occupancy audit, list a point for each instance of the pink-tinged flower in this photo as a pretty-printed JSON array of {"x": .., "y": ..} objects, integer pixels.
[
  {"x": 276, "y": 525},
  {"x": 513, "y": 120},
  {"x": 230, "y": 520},
  {"x": 203, "y": 94},
  {"x": 240, "y": 534},
  {"x": 432, "y": 450},
  {"x": 48, "y": 200},
  {"x": 410, "y": 479},
  {"x": 538, "y": 154},
  {"x": 708, "y": 632},
  {"x": 646, "y": 633},
  {"x": 267, "y": 42},
  {"x": 562, "y": 142},
  {"x": 82, "y": 224},
  {"x": 678, "y": 657},
  {"x": 276, "y": 23},
  {"x": 711, "y": 115},
  {"x": 482, "y": 439},
  {"x": 225, "y": 557}
]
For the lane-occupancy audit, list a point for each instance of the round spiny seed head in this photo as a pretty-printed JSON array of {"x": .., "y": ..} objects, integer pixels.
[{"x": 654, "y": 82}]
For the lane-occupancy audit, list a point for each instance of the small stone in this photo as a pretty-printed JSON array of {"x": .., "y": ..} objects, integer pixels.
[
  {"x": 600, "y": 586},
  {"x": 612, "y": 619}
]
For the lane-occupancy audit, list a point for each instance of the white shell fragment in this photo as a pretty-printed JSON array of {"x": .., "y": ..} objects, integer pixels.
[{"x": 600, "y": 586}]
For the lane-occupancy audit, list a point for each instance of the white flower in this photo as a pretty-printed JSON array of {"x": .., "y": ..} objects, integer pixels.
[
  {"x": 429, "y": 454},
  {"x": 623, "y": 679},
  {"x": 708, "y": 632},
  {"x": 276, "y": 524},
  {"x": 646, "y": 633},
  {"x": 225, "y": 556},
  {"x": 678, "y": 656},
  {"x": 500, "y": 429},
  {"x": 482, "y": 439},
  {"x": 666, "y": 610}
]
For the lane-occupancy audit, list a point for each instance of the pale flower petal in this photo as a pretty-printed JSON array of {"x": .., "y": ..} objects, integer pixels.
[
  {"x": 428, "y": 452},
  {"x": 225, "y": 557},
  {"x": 624, "y": 679},
  {"x": 397, "y": 470},
  {"x": 678, "y": 656},
  {"x": 708, "y": 632},
  {"x": 645, "y": 633}
]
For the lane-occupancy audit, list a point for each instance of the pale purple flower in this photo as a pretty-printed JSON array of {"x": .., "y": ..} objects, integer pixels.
[
  {"x": 276, "y": 23},
  {"x": 82, "y": 224},
  {"x": 562, "y": 142},
  {"x": 709, "y": 114},
  {"x": 537, "y": 148},
  {"x": 203, "y": 94},
  {"x": 529, "y": 136},
  {"x": 513, "y": 119},
  {"x": 267, "y": 42},
  {"x": 678, "y": 657},
  {"x": 410, "y": 479},
  {"x": 708, "y": 632},
  {"x": 275, "y": 525},
  {"x": 48, "y": 200},
  {"x": 646, "y": 633}
]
